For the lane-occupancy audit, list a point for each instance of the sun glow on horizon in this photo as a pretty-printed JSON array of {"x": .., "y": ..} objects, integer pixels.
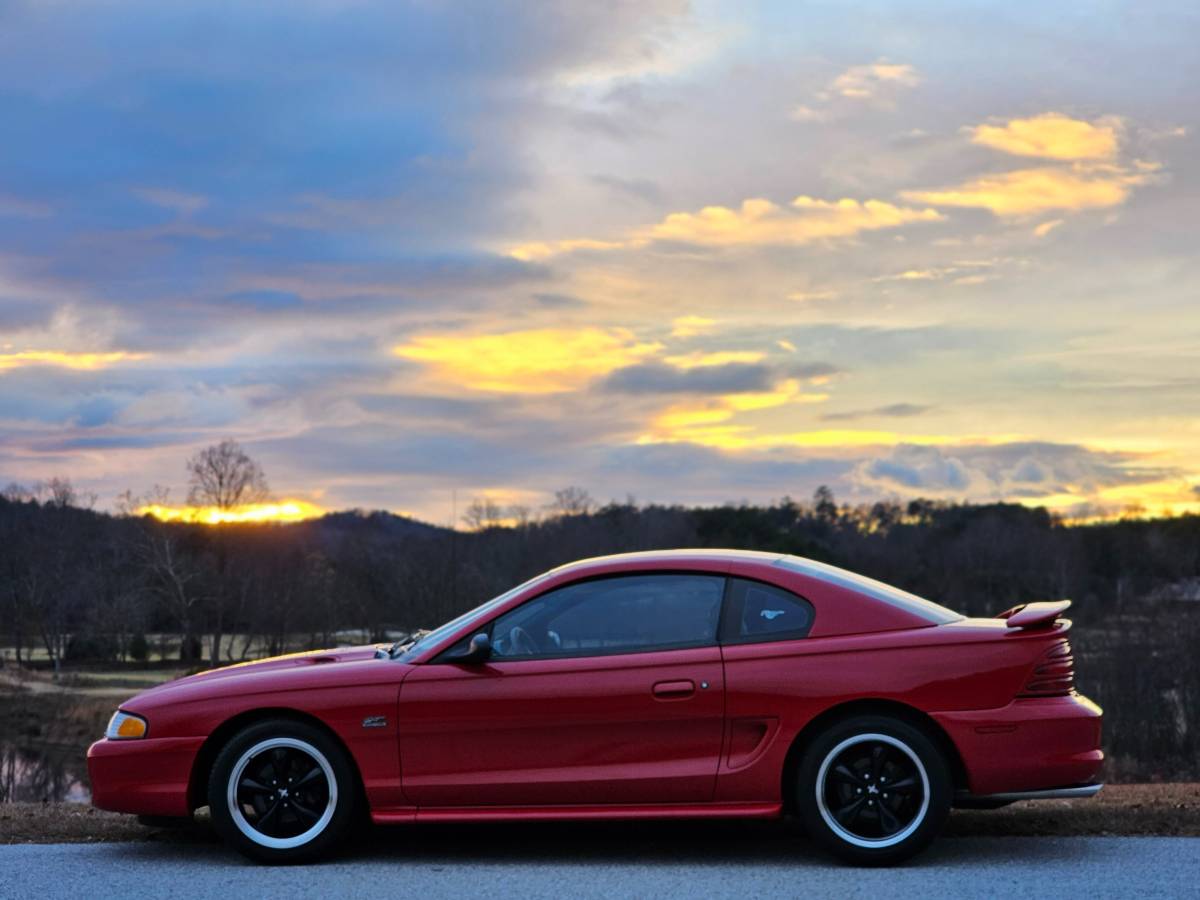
[
  {"x": 1165, "y": 499},
  {"x": 279, "y": 511}
]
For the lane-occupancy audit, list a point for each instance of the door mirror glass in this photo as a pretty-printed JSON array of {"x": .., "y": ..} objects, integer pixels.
[{"x": 478, "y": 651}]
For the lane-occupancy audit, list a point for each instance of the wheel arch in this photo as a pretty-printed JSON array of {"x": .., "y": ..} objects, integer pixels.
[
  {"x": 869, "y": 706},
  {"x": 207, "y": 754}
]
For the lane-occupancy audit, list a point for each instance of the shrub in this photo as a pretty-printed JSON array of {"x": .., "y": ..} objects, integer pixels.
[
  {"x": 139, "y": 649},
  {"x": 91, "y": 647}
]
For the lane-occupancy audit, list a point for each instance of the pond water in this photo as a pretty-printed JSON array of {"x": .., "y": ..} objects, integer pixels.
[{"x": 41, "y": 774}]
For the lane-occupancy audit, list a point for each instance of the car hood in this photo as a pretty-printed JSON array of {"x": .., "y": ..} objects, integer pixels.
[
  {"x": 245, "y": 674},
  {"x": 293, "y": 660}
]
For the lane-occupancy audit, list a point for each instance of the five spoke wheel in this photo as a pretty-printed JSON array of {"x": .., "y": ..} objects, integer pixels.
[
  {"x": 282, "y": 791},
  {"x": 873, "y": 788}
]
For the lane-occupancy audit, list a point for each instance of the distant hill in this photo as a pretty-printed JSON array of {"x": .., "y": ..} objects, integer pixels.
[{"x": 378, "y": 521}]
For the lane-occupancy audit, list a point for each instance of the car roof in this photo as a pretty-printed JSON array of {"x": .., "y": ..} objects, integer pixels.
[
  {"x": 669, "y": 556},
  {"x": 809, "y": 568}
]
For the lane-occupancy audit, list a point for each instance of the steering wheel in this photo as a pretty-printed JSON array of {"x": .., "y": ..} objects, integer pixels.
[{"x": 522, "y": 642}]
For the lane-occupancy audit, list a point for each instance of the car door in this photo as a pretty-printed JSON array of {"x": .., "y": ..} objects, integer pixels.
[{"x": 602, "y": 691}]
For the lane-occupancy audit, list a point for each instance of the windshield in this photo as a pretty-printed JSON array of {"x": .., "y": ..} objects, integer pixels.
[
  {"x": 927, "y": 609},
  {"x": 430, "y": 638}
]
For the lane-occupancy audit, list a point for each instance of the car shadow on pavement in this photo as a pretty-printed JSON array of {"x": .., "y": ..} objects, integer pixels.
[{"x": 700, "y": 844}]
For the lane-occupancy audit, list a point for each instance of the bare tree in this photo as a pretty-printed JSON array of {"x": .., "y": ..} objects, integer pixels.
[
  {"x": 174, "y": 577},
  {"x": 17, "y": 493},
  {"x": 224, "y": 476},
  {"x": 520, "y": 515},
  {"x": 571, "y": 501},
  {"x": 57, "y": 492},
  {"x": 482, "y": 513},
  {"x": 61, "y": 492},
  {"x": 129, "y": 503}
]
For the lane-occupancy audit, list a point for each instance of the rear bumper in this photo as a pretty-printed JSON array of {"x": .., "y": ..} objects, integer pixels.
[
  {"x": 1031, "y": 744},
  {"x": 148, "y": 777}
]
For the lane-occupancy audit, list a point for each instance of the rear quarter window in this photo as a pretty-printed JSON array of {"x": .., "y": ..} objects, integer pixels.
[{"x": 757, "y": 612}]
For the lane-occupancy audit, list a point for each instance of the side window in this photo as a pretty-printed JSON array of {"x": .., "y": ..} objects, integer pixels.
[
  {"x": 763, "y": 612},
  {"x": 623, "y": 614}
]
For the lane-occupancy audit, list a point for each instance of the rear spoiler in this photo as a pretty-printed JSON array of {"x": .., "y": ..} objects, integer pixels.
[{"x": 1033, "y": 615}]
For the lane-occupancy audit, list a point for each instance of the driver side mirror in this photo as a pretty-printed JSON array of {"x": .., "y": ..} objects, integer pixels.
[{"x": 478, "y": 651}]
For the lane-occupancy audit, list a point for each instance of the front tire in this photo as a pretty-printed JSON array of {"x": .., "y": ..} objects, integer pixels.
[
  {"x": 875, "y": 790},
  {"x": 282, "y": 791}
]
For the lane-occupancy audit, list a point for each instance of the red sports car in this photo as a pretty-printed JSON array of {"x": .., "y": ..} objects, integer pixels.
[{"x": 684, "y": 684}]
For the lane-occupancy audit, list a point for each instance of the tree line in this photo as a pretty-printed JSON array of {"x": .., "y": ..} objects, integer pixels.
[{"x": 85, "y": 585}]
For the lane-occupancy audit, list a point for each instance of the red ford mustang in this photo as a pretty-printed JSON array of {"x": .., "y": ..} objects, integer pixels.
[{"x": 649, "y": 685}]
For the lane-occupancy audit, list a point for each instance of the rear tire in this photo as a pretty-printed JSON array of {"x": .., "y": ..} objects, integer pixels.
[
  {"x": 874, "y": 789},
  {"x": 282, "y": 791}
]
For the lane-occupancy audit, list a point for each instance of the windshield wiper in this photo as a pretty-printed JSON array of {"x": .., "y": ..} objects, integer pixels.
[{"x": 407, "y": 642}]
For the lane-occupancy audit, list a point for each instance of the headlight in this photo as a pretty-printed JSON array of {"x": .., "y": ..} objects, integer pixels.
[{"x": 123, "y": 726}]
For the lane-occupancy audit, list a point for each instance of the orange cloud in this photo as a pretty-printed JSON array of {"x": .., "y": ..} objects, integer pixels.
[
  {"x": 1027, "y": 192},
  {"x": 864, "y": 82},
  {"x": 709, "y": 423},
  {"x": 700, "y": 358},
  {"x": 65, "y": 359},
  {"x": 542, "y": 249},
  {"x": 756, "y": 222},
  {"x": 805, "y": 220},
  {"x": 1052, "y": 136},
  {"x": 536, "y": 361},
  {"x": 690, "y": 326}
]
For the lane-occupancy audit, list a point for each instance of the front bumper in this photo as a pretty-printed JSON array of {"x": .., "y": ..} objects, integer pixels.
[
  {"x": 148, "y": 776},
  {"x": 1032, "y": 744}
]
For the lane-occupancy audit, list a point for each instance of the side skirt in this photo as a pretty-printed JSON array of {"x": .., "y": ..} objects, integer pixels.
[{"x": 408, "y": 815}]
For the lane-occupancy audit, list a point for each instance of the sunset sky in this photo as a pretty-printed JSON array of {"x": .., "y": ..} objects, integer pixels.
[{"x": 694, "y": 253}]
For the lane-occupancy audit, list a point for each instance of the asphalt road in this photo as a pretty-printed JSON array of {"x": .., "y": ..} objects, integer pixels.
[{"x": 578, "y": 861}]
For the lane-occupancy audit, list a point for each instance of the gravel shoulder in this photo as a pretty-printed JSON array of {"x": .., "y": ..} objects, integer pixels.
[{"x": 1121, "y": 809}]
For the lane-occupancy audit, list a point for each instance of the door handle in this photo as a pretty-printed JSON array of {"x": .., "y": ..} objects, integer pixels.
[{"x": 674, "y": 690}]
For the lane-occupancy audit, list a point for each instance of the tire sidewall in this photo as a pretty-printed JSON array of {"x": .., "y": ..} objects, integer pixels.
[
  {"x": 941, "y": 788},
  {"x": 222, "y": 770}
]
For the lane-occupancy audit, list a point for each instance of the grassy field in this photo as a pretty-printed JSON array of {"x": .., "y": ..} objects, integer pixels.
[
  {"x": 1126, "y": 809},
  {"x": 164, "y": 649}
]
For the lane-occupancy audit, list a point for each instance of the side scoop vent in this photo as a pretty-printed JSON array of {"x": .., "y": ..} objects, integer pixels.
[{"x": 1054, "y": 674}]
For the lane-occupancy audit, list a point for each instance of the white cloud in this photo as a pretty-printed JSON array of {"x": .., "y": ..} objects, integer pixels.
[
  {"x": 870, "y": 81},
  {"x": 874, "y": 84},
  {"x": 180, "y": 202},
  {"x": 1014, "y": 470}
]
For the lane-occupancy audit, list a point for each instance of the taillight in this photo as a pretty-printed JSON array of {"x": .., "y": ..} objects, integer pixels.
[{"x": 1054, "y": 674}]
